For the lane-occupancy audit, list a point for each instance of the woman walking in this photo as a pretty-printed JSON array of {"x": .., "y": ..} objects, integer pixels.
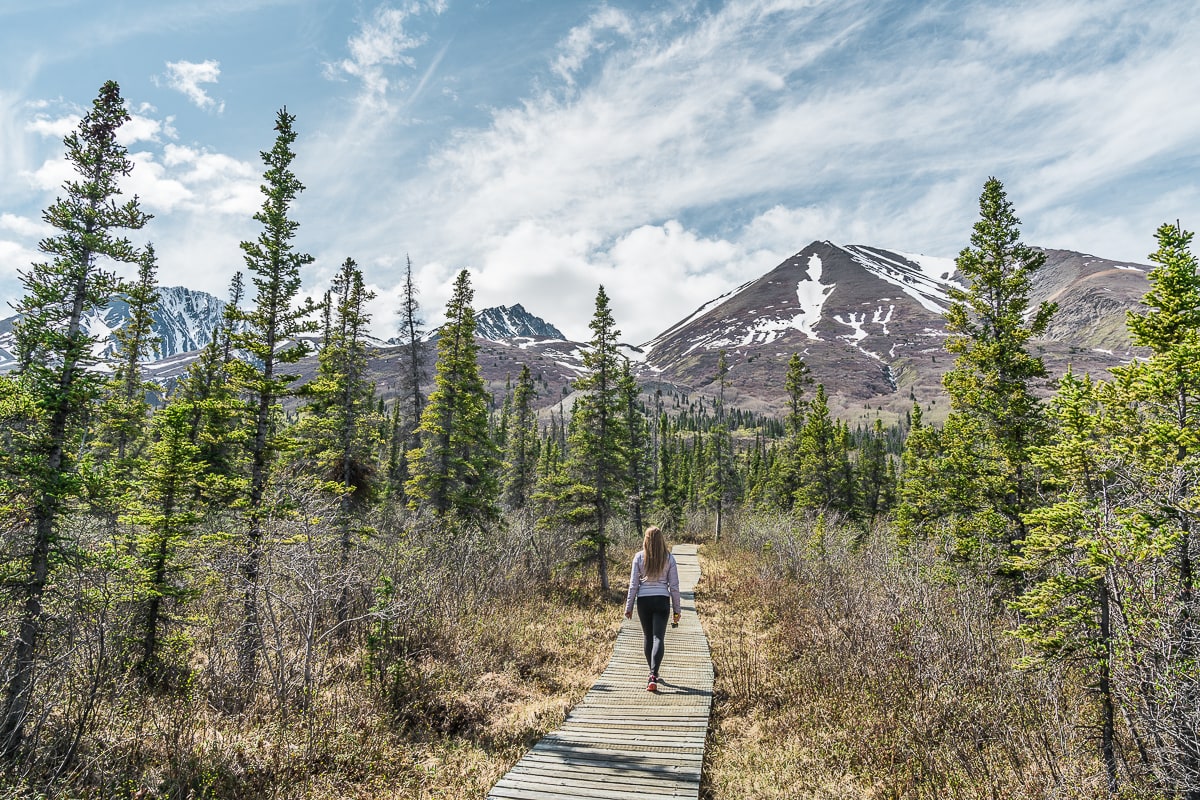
[{"x": 654, "y": 584}]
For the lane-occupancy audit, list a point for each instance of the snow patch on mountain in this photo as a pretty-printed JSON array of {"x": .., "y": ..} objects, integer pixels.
[
  {"x": 763, "y": 331},
  {"x": 923, "y": 278},
  {"x": 881, "y": 319},
  {"x": 699, "y": 312},
  {"x": 856, "y": 321},
  {"x": 811, "y": 293}
]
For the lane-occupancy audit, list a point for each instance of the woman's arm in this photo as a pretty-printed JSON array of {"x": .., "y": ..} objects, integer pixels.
[
  {"x": 634, "y": 582},
  {"x": 673, "y": 584}
]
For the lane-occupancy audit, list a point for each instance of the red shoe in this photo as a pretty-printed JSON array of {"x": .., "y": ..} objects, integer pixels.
[{"x": 652, "y": 684}]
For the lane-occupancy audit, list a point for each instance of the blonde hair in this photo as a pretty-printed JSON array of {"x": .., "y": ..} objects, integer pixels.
[{"x": 654, "y": 552}]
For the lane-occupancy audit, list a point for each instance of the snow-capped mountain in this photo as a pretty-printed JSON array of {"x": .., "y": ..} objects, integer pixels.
[
  {"x": 512, "y": 322},
  {"x": 183, "y": 322},
  {"x": 870, "y": 325}
]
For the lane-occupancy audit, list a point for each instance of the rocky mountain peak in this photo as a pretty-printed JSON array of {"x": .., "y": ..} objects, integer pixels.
[
  {"x": 183, "y": 322},
  {"x": 513, "y": 322}
]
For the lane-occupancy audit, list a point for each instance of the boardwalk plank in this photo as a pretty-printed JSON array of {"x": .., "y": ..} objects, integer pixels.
[{"x": 621, "y": 741}]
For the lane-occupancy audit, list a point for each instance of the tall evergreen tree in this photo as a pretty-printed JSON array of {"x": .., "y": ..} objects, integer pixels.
[
  {"x": 126, "y": 417},
  {"x": 1071, "y": 549},
  {"x": 784, "y": 477},
  {"x": 56, "y": 372},
  {"x": 120, "y": 422},
  {"x": 521, "y": 452},
  {"x": 1165, "y": 388},
  {"x": 410, "y": 400},
  {"x": 339, "y": 425},
  {"x": 823, "y": 481},
  {"x": 992, "y": 382},
  {"x": 722, "y": 445},
  {"x": 874, "y": 476},
  {"x": 598, "y": 456},
  {"x": 637, "y": 432},
  {"x": 270, "y": 340},
  {"x": 454, "y": 470},
  {"x": 163, "y": 504},
  {"x": 215, "y": 415},
  {"x": 670, "y": 494}
]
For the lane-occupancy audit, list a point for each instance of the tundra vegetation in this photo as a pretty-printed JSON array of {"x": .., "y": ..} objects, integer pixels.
[{"x": 248, "y": 585}]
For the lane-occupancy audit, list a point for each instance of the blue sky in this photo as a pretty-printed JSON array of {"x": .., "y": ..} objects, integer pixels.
[{"x": 669, "y": 150}]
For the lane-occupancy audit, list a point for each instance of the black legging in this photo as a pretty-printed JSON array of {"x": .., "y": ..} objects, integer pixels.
[{"x": 654, "y": 612}]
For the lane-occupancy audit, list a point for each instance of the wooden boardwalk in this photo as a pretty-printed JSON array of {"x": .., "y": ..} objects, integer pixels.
[{"x": 622, "y": 741}]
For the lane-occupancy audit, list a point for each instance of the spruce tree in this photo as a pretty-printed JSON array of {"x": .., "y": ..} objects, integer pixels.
[
  {"x": 784, "y": 479},
  {"x": 1165, "y": 488},
  {"x": 723, "y": 475},
  {"x": 454, "y": 471},
  {"x": 339, "y": 425},
  {"x": 823, "y": 480},
  {"x": 991, "y": 384},
  {"x": 598, "y": 456},
  {"x": 270, "y": 341},
  {"x": 164, "y": 506},
  {"x": 216, "y": 416},
  {"x": 112, "y": 462},
  {"x": 58, "y": 383},
  {"x": 670, "y": 494},
  {"x": 637, "y": 460},
  {"x": 126, "y": 404},
  {"x": 520, "y": 457},
  {"x": 1072, "y": 547},
  {"x": 874, "y": 478},
  {"x": 410, "y": 400}
]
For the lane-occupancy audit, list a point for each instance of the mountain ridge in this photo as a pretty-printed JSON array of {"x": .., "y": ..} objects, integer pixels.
[{"x": 868, "y": 321}]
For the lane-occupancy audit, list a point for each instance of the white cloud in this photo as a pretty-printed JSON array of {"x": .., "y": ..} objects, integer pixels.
[
  {"x": 14, "y": 257},
  {"x": 221, "y": 184},
  {"x": 1039, "y": 27},
  {"x": 383, "y": 41},
  {"x": 24, "y": 226},
  {"x": 143, "y": 128},
  {"x": 51, "y": 174},
  {"x": 585, "y": 40},
  {"x": 186, "y": 77},
  {"x": 53, "y": 127}
]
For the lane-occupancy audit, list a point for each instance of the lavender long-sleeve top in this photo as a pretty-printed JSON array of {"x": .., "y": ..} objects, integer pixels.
[{"x": 641, "y": 585}]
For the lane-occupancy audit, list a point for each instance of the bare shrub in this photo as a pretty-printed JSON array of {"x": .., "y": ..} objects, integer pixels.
[{"x": 883, "y": 670}]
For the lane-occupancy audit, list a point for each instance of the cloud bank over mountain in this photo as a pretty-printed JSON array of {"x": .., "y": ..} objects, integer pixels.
[{"x": 664, "y": 150}]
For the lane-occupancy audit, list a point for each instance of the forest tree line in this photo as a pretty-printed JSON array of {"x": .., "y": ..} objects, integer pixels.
[{"x": 216, "y": 543}]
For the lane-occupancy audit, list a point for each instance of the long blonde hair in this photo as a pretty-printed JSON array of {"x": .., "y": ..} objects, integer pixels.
[{"x": 654, "y": 552}]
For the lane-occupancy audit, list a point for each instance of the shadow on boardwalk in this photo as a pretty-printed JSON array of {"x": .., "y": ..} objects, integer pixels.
[{"x": 621, "y": 741}]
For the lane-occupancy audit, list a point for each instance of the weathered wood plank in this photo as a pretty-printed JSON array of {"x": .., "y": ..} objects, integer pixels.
[{"x": 622, "y": 741}]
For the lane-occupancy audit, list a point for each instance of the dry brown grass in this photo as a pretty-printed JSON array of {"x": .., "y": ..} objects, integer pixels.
[
  {"x": 497, "y": 681},
  {"x": 848, "y": 671}
]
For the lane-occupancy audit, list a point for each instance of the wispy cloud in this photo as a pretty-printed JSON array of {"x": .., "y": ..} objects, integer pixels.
[
  {"x": 730, "y": 139},
  {"x": 384, "y": 40},
  {"x": 187, "y": 76},
  {"x": 588, "y": 39},
  {"x": 675, "y": 152}
]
